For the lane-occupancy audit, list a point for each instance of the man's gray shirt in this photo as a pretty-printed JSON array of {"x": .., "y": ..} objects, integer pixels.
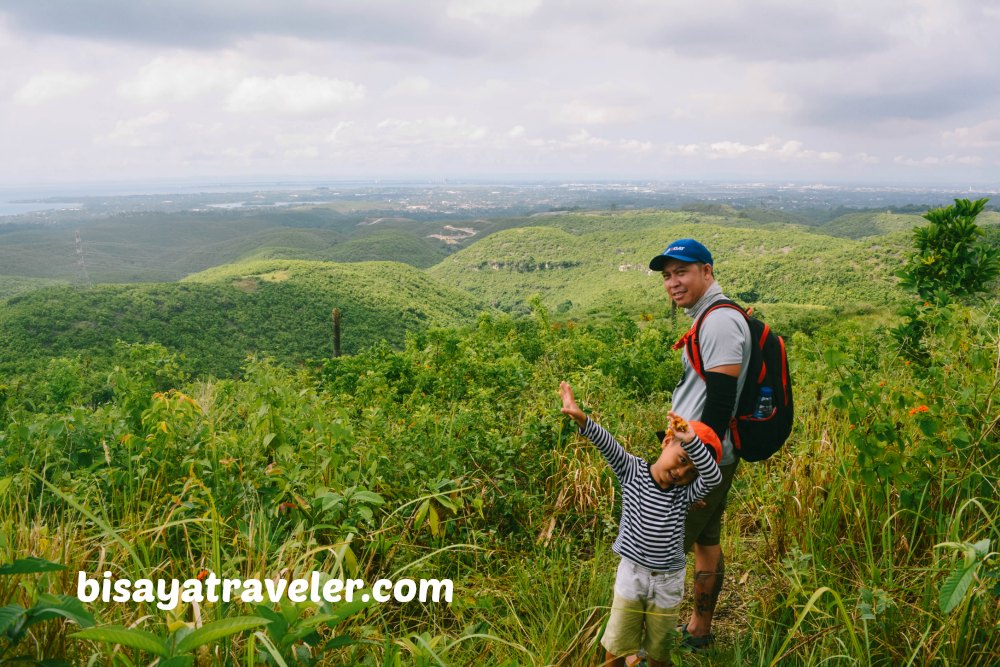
[{"x": 724, "y": 340}]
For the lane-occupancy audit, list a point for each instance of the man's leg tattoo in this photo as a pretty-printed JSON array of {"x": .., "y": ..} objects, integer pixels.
[{"x": 707, "y": 593}]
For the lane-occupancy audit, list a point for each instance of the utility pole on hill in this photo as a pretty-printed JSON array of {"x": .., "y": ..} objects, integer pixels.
[{"x": 80, "y": 262}]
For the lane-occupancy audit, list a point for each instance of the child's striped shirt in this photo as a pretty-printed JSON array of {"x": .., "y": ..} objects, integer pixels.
[{"x": 651, "y": 530}]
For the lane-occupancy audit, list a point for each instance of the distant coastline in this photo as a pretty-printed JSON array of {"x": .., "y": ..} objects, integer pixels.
[{"x": 10, "y": 208}]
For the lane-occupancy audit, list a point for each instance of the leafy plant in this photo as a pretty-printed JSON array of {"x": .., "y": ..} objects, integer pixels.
[
  {"x": 16, "y": 620},
  {"x": 957, "y": 585},
  {"x": 176, "y": 648},
  {"x": 949, "y": 260},
  {"x": 293, "y": 636}
]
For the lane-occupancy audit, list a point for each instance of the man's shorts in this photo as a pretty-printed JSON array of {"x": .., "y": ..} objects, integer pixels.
[
  {"x": 644, "y": 611},
  {"x": 704, "y": 526}
]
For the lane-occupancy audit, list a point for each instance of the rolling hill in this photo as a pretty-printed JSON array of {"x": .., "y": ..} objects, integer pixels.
[
  {"x": 277, "y": 296},
  {"x": 585, "y": 264},
  {"x": 278, "y": 307},
  {"x": 161, "y": 247},
  {"x": 11, "y": 286},
  {"x": 870, "y": 223}
]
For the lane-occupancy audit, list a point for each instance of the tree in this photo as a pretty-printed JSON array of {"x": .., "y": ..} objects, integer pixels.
[{"x": 950, "y": 260}]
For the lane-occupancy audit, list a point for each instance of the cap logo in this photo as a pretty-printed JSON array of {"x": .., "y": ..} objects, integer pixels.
[{"x": 676, "y": 247}]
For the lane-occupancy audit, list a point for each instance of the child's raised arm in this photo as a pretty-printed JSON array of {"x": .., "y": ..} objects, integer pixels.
[
  {"x": 569, "y": 406},
  {"x": 622, "y": 463}
]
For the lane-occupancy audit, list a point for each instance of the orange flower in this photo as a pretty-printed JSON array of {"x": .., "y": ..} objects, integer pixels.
[
  {"x": 919, "y": 408},
  {"x": 202, "y": 574}
]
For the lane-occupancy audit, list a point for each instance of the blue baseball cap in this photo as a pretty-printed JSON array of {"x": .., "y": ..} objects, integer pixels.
[{"x": 685, "y": 250}]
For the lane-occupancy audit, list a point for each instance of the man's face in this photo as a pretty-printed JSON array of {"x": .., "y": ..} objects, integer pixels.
[{"x": 686, "y": 282}]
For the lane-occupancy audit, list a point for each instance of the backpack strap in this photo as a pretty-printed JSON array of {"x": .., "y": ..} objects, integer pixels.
[{"x": 689, "y": 341}]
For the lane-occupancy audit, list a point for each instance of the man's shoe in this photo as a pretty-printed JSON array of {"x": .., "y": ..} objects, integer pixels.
[{"x": 693, "y": 643}]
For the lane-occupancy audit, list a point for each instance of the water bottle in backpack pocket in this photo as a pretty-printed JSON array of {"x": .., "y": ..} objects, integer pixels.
[{"x": 765, "y": 404}]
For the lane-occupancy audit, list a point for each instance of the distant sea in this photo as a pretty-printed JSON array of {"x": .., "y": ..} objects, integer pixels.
[
  {"x": 10, "y": 195},
  {"x": 7, "y": 208}
]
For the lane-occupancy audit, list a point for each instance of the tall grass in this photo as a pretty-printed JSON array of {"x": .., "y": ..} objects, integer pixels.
[{"x": 449, "y": 459}]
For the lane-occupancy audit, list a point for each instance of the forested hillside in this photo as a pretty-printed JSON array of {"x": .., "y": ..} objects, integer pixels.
[
  {"x": 583, "y": 265},
  {"x": 279, "y": 308},
  {"x": 159, "y": 247},
  {"x": 11, "y": 286}
]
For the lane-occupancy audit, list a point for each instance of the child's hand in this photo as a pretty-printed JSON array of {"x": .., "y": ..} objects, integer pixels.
[
  {"x": 680, "y": 428},
  {"x": 569, "y": 406}
]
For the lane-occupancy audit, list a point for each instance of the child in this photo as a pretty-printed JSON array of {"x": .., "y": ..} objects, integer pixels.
[{"x": 655, "y": 500}]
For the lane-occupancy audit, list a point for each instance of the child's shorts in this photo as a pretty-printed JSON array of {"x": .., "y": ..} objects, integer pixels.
[{"x": 644, "y": 611}]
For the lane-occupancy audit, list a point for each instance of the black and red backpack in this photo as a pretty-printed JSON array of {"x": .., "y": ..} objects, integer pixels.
[{"x": 755, "y": 437}]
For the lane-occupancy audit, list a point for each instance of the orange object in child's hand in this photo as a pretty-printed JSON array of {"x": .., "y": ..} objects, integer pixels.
[{"x": 677, "y": 423}]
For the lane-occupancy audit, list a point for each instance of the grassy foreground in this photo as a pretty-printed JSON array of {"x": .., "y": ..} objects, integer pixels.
[{"x": 871, "y": 539}]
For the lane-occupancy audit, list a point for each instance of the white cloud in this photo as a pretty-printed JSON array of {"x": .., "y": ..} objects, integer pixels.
[
  {"x": 135, "y": 132},
  {"x": 584, "y": 138},
  {"x": 306, "y": 141},
  {"x": 52, "y": 85},
  {"x": 483, "y": 10},
  {"x": 331, "y": 137},
  {"x": 578, "y": 112},
  {"x": 410, "y": 86},
  {"x": 488, "y": 87},
  {"x": 983, "y": 135},
  {"x": 179, "y": 77},
  {"x": 636, "y": 146},
  {"x": 792, "y": 150},
  {"x": 298, "y": 94},
  {"x": 771, "y": 147},
  {"x": 938, "y": 161},
  {"x": 447, "y": 130},
  {"x": 689, "y": 150}
]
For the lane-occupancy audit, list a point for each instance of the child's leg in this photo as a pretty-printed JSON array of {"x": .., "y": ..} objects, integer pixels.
[
  {"x": 624, "y": 631},
  {"x": 661, "y": 616}
]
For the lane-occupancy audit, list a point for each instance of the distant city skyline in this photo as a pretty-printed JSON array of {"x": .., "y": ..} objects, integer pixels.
[{"x": 885, "y": 92}]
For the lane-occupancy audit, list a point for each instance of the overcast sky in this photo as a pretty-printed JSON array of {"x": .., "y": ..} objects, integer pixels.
[{"x": 887, "y": 91}]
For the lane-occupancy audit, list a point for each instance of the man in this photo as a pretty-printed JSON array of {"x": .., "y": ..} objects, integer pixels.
[{"x": 689, "y": 279}]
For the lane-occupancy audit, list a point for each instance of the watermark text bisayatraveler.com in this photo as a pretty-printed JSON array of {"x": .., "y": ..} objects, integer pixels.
[{"x": 318, "y": 588}]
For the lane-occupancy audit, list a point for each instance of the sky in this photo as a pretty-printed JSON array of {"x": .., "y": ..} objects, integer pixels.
[{"x": 843, "y": 91}]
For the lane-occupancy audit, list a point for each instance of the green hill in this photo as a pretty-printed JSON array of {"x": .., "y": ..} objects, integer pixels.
[
  {"x": 11, "y": 286},
  {"x": 382, "y": 246},
  {"x": 583, "y": 264},
  {"x": 279, "y": 307},
  {"x": 865, "y": 224},
  {"x": 387, "y": 245},
  {"x": 870, "y": 223},
  {"x": 161, "y": 247}
]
